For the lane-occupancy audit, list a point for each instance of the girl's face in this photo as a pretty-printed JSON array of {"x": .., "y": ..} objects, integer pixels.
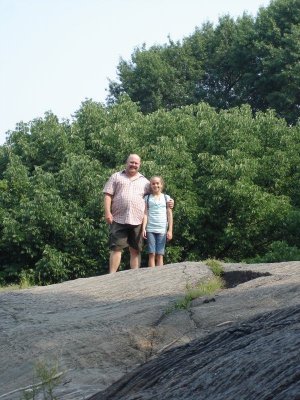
[{"x": 156, "y": 185}]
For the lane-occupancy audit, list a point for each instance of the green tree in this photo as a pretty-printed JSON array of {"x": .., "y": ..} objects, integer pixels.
[
  {"x": 234, "y": 178},
  {"x": 277, "y": 49},
  {"x": 247, "y": 60}
]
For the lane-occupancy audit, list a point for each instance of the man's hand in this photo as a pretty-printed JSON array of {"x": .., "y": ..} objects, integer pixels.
[
  {"x": 170, "y": 203},
  {"x": 107, "y": 208},
  {"x": 109, "y": 218}
]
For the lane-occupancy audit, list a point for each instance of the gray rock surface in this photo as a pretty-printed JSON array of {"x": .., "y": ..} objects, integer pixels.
[
  {"x": 257, "y": 359},
  {"x": 99, "y": 329}
]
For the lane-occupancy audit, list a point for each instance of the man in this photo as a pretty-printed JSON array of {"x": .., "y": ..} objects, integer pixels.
[{"x": 124, "y": 207}]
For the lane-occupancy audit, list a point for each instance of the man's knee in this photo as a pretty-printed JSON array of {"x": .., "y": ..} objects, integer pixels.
[
  {"x": 135, "y": 258},
  {"x": 134, "y": 252},
  {"x": 115, "y": 248},
  {"x": 114, "y": 261}
]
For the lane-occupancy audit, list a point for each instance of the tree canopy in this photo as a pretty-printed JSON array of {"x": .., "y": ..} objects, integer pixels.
[
  {"x": 234, "y": 178},
  {"x": 249, "y": 60},
  {"x": 199, "y": 113}
]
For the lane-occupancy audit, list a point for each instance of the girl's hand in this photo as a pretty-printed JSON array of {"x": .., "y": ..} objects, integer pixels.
[
  {"x": 169, "y": 235},
  {"x": 144, "y": 234}
]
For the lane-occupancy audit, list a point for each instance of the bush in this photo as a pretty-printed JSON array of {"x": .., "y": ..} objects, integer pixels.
[{"x": 277, "y": 252}]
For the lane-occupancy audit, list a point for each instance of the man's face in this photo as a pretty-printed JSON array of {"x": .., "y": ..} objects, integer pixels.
[{"x": 133, "y": 165}]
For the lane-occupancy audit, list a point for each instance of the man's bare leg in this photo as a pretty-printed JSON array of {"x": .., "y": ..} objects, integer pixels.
[
  {"x": 134, "y": 258},
  {"x": 114, "y": 260}
]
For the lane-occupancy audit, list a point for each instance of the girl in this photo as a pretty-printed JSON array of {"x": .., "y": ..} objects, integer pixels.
[{"x": 158, "y": 222}]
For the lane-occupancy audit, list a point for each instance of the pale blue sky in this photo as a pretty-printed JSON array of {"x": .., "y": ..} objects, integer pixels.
[{"x": 56, "y": 53}]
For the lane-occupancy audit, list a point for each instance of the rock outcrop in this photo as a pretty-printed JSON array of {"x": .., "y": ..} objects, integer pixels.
[
  {"x": 97, "y": 330},
  {"x": 257, "y": 359}
]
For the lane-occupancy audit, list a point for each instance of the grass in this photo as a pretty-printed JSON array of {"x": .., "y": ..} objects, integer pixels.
[
  {"x": 49, "y": 379},
  {"x": 215, "y": 266},
  {"x": 205, "y": 288},
  {"x": 8, "y": 288},
  {"x": 202, "y": 288},
  {"x": 26, "y": 281},
  {"x": 21, "y": 285}
]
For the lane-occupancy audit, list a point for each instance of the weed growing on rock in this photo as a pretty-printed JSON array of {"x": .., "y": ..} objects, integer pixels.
[
  {"x": 48, "y": 377},
  {"x": 215, "y": 266},
  {"x": 26, "y": 279},
  {"x": 203, "y": 288}
]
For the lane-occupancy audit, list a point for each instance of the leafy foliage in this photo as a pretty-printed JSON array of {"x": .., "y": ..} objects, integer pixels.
[
  {"x": 232, "y": 168},
  {"x": 247, "y": 60},
  {"x": 233, "y": 177}
]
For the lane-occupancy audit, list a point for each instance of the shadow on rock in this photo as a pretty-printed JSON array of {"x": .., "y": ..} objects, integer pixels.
[
  {"x": 258, "y": 359},
  {"x": 234, "y": 278}
]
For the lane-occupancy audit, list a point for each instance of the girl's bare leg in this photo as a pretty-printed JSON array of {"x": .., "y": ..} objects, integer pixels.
[
  {"x": 151, "y": 261},
  {"x": 159, "y": 260}
]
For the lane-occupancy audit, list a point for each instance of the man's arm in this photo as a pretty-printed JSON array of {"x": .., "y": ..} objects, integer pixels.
[
  {"x": 107, "y": 208},
  {"x": 145, "y": 221},
  {"x": 170, "y": 203}
]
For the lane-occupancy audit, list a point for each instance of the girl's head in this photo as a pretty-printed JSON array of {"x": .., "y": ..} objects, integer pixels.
[{"x": 156, "y": 184}]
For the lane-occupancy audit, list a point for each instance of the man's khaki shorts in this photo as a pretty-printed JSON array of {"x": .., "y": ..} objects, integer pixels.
[{"x": 124, "y": 235}]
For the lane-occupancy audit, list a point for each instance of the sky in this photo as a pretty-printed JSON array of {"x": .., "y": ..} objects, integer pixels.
[{"x": 55, "y": 54}]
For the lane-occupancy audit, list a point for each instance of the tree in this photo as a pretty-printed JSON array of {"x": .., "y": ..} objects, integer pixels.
[
  {"x": 242, "y": 61},
  {"x": 234, "y": 178}
]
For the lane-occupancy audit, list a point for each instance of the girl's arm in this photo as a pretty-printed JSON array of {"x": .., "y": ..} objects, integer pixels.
[{"x": 170, "y": 223}]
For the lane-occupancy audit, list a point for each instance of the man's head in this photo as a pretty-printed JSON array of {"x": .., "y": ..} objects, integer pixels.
[{"x": 133, "y": 164}]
